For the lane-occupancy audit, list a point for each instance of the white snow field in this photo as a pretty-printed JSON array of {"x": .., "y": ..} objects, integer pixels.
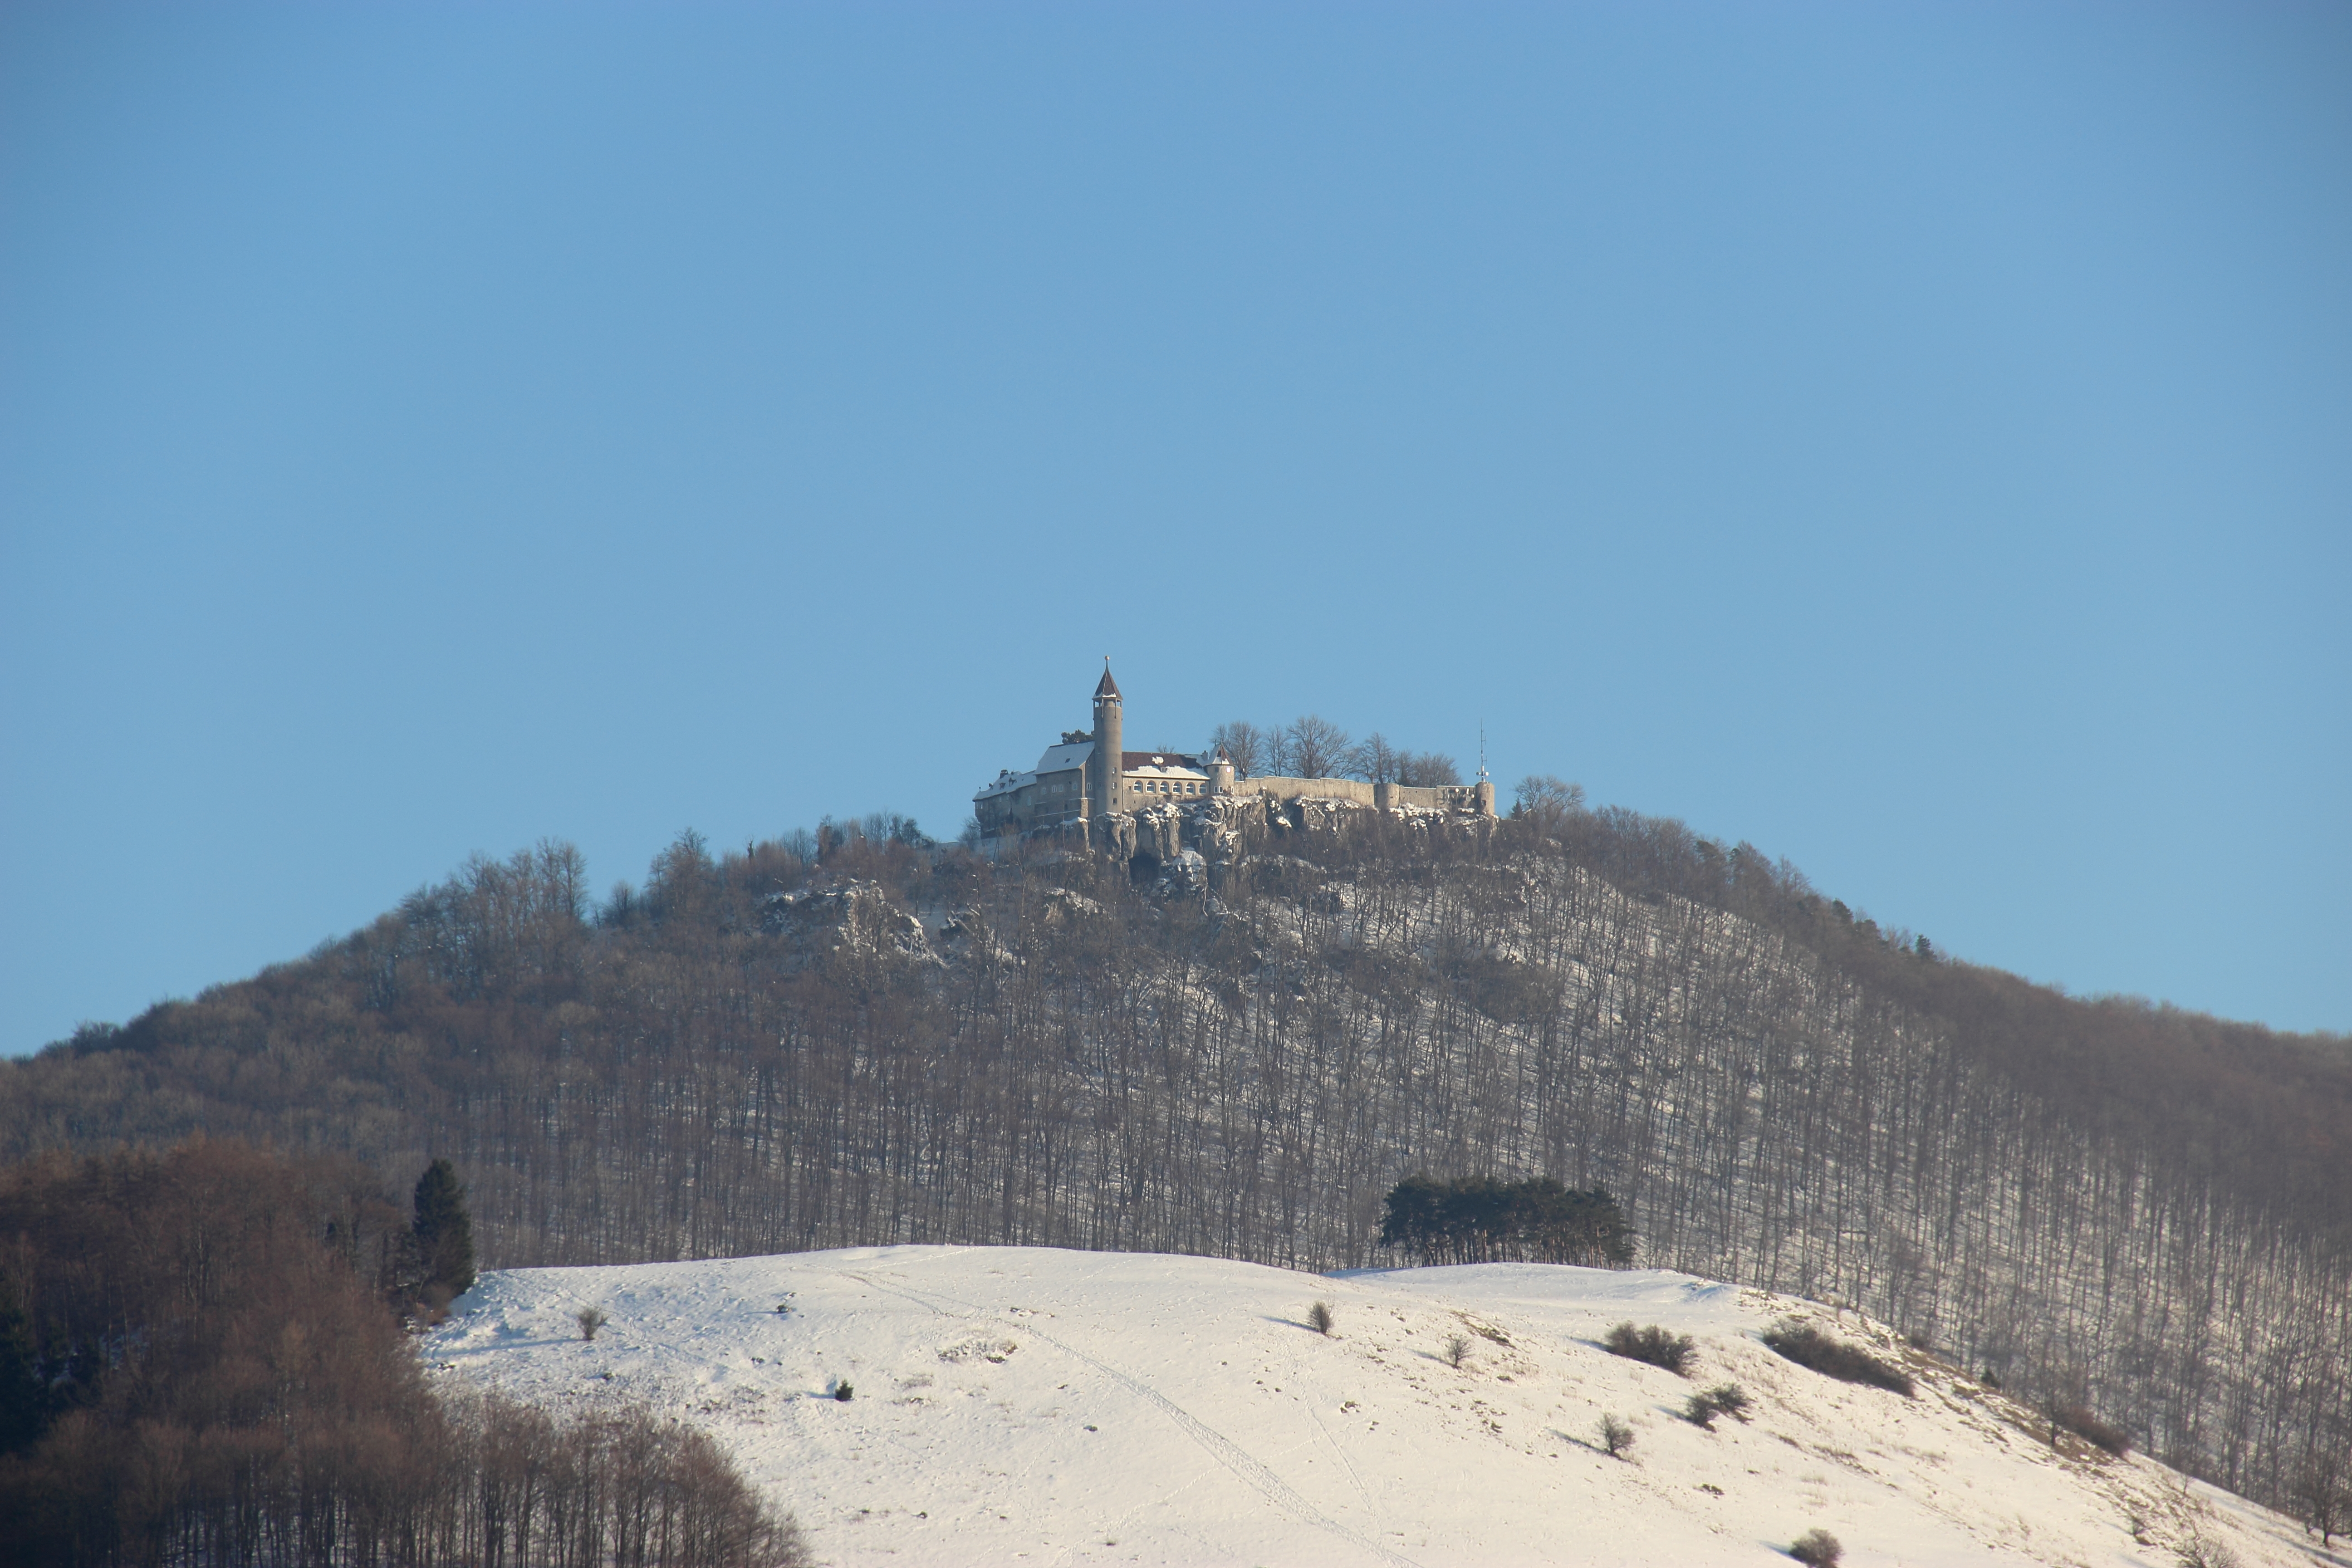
[{"x": 1025, "y": 1405}]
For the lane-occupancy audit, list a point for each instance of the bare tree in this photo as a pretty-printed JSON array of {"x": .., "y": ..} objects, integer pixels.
[
  {"x": 1373, "y": 759},
  {"x": 2321, "y": 1496},
  {"x": 1426, "y": 768},
  {"x": 1243, "y": 741},
  {"x": 1317, "y": 747},
  {"x": 1547, "y": 802}
]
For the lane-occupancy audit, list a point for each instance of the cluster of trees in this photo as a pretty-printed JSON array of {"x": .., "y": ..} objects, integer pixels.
[
  {"x": 1312, "y": 747},
  {"x": 1477, "y": 1219},
  {"x": 1775, "y": 1089},
  {"x": 202, "y": 1362},
  {"x": 608, "y": 1486}
]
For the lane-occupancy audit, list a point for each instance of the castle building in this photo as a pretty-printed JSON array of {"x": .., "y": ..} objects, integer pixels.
[{"x": 1087, "y": 777}]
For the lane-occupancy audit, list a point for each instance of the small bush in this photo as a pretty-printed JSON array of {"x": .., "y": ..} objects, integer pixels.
[
  {"x": 1729, "y": 1399},
  {"x": 1319, "y": 1317},
  {"x": 2077, "y": 1419},
  {"x": 1723, "y": 1399},
  {"x": 841, "y": 1391},
  {"x": 590, "y": 1320},
  {"x": 1809, "y": 1347},
  {"x": 2199, "y": 1550},
  {"x": 1816, "y": 1548},
  {"x": 1616, "y": 1437},
  {"x": 1652, "y": 1345},
  {"x": 1458, "y": 1351}
]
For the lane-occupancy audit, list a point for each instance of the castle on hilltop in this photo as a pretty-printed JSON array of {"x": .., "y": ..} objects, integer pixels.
[{"x": 1087, "y": 780}]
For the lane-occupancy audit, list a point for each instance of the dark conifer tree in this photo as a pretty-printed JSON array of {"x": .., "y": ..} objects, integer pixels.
[
  {"x": 445, "y": 1232},
  {"x": 25, "y": 1402}
]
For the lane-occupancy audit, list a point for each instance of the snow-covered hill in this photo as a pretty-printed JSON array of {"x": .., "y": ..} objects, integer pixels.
[{"x": 1027, "y": 1405}]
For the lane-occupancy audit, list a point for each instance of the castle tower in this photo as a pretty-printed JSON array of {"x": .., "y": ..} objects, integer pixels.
[{"x": 1105, "y": 769}]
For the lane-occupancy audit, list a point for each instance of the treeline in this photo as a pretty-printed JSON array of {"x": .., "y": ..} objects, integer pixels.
[
  {"x": 2266, "y": 1115},
  {"x": 201, "y": 1363},
  {"x": 2153, "y": 1207},
  {"x": 1312, "y": 747},
  {"x": 1477, "y": 1219}
]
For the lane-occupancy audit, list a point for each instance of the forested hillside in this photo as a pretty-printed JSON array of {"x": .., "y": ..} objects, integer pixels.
[{"x": 854, "y": 1039}]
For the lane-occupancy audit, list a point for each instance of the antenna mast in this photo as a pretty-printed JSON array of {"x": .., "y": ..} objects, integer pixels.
[{"x": 1481, "y": 751}]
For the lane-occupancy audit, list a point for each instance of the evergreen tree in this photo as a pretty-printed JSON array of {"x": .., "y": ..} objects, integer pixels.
[
  {"x": 25, "y": 1403},
  {"x": 445, "y": 1232}
]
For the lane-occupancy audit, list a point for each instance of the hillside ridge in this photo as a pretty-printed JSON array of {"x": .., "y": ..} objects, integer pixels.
[{"x": 856, "y": 1037}]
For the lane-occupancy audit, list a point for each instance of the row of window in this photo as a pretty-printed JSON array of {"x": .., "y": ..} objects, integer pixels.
[
  {"x": 1142, "y": 786},
  {"x": 1195, "y": 786}
]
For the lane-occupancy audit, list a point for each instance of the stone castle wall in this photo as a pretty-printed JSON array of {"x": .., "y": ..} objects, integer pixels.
[{"x": 1386, "y": 796}]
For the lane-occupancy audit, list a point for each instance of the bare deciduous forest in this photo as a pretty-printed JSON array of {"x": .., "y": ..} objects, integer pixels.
[
  {"x": 850, "y": 1038},
  {"x": 200, "y": 1364}
]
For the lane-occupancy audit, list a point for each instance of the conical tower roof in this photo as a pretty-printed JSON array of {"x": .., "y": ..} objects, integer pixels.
[{"x": 1106, "y": 686}]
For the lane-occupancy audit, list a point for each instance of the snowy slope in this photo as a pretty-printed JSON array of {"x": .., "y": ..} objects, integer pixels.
[{"x": 1026, "y": 1405}]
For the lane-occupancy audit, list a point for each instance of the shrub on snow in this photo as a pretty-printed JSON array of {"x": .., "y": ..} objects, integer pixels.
[
  {"x": 1809, "y": 1347},
  {"x": 1652, "y": 1345},
  {"x": 1816, "y": 1548}
]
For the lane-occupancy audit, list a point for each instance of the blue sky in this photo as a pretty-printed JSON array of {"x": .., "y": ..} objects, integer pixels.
[{"x": 1915, "y": 439}]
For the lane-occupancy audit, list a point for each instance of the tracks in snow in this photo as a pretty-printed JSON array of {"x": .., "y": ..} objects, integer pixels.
[{"x": 1245, "y": 1466}]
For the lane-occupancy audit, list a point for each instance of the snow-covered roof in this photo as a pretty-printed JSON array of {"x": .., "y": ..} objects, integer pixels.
[
  {"x": 1160, "y": 765},
  {"x": 1004, "y": 782},
  {"x": 1069, "y": 755}
]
